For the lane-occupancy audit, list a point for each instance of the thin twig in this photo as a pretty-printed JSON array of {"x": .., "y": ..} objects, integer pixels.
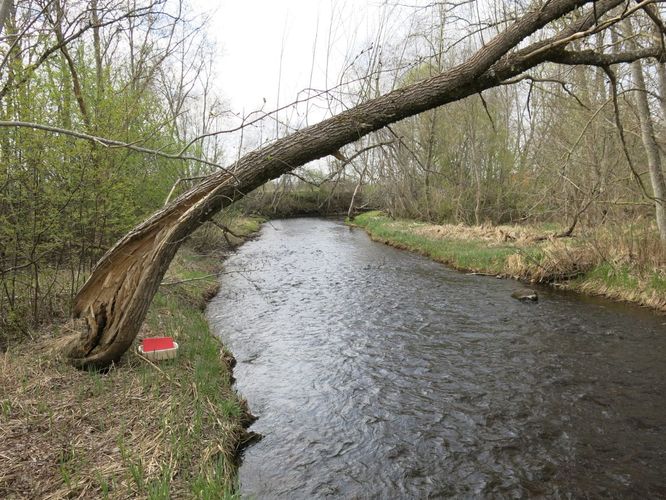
[
  {"x": 208, "y": 276},
  {"x": 620, "y": 129},
  {"x": 112, "y": 143},
  {"x": 159, "y": 369}
]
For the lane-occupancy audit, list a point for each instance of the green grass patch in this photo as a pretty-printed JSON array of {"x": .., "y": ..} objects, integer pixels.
[
  {"x": 143, "y": 430},
  {"x": 612, "y": 276},
  {"x": 657, "y": 282},
  {"x": 465, "y": 254},
  {"x": 541, "y": 260},
  {"x": 204, "y": 420},
  {"x": 624, "y": 282},
  {"x": 245, "y": 226}
]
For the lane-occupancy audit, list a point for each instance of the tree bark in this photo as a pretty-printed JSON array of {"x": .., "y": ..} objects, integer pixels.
[
  {"x": 649, "y": 141},
  {"x": 5, "y": 6},
  {"x": 112, "y": 304},
  {"x": 651, "y": 149}
]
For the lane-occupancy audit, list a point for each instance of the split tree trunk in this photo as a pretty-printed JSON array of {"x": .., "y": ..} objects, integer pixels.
[{"x": 112, "y": 304}]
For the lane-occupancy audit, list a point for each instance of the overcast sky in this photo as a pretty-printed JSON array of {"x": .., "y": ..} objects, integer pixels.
[{"x": 251, "y": 35}]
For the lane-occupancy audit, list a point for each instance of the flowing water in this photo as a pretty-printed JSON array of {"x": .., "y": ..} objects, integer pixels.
[{"x": 376, "y": 373}]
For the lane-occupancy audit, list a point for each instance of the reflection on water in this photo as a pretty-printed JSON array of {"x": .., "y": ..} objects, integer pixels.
[{"x": 378, "y": 373}]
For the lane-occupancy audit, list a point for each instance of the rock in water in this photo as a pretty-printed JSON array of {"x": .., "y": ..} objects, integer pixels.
[{"x": 525, "y": 294}]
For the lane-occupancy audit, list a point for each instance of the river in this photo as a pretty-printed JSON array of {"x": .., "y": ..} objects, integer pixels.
[{"x": 377, "y": 373}]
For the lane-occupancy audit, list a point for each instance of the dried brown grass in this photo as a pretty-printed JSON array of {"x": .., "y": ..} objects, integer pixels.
[
  {"x": 55, "y": 418},
  {"x": 67, "y": 433},
  {"x": 134, "y": 431},
  {"x": 492, "y": 234},
  {"x": 559, "y": 260},
  {"x": 638, "y": 246}
]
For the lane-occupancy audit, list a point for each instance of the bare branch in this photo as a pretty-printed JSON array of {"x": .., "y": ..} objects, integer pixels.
[
  {"x": 111, "y": 143},
  {"x": 620, "y": 129},
  {"x": 592, "y": 58}
]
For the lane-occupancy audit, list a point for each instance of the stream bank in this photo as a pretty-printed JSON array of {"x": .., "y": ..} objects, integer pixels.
[
  {"x": 577, "y": 264},
  {"x": 171, "y": 430}
]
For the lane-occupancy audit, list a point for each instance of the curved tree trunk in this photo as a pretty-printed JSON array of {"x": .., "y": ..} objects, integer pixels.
[{"x": 112, "y": 304}]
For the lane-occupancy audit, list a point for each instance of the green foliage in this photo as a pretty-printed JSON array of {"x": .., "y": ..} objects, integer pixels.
[
  {"x": 473, "y": 255},
  {"x": 63, "y": 202}
]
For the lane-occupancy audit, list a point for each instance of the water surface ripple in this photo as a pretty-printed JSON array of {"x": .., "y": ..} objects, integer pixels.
[{"x": 377, "y": 373}]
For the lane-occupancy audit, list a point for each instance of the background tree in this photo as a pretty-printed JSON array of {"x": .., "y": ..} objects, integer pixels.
[{"x": 94, "y": 66}]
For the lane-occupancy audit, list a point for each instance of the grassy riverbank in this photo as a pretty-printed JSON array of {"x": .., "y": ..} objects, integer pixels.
[
  {"x": 603, "y": 262},
  {"x": 141, "y": 430}
]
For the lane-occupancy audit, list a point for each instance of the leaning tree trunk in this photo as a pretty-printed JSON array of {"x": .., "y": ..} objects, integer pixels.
[{"x": 112, "y": 304}]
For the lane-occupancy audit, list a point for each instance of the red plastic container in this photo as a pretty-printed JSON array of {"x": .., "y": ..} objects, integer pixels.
[
  {"x": 158, "y": 348},
  {"x": 157, "y": 344}
]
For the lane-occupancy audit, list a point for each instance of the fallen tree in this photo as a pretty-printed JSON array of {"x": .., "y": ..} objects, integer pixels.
[{"x": 112, "y": 304}]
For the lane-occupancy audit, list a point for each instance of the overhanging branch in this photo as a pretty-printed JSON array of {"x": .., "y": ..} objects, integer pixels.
[
  {"x": 593, "y": 58},
  {"x": 112, "y": 143}
]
